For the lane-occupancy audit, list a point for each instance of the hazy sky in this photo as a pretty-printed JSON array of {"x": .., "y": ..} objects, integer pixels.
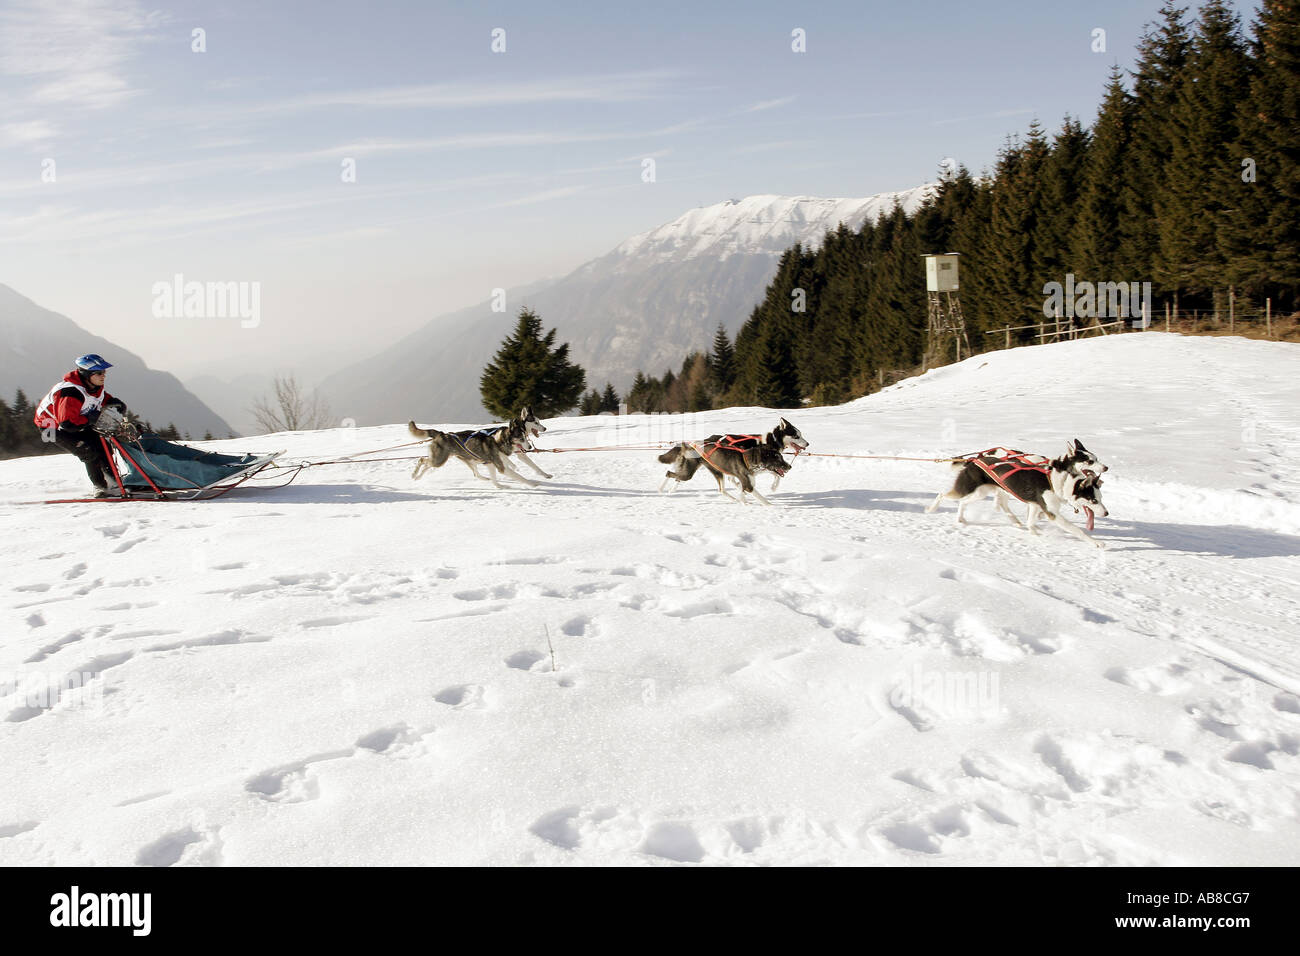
[{"x": 474, "y": 169}]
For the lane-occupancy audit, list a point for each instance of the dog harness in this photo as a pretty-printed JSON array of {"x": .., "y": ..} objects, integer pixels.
[
  {"x": 1001, "y": 463},
  {"x": 737, "y": 443}
]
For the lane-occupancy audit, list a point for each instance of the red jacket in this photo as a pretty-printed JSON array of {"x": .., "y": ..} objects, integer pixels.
[{"x": 68, "y": 403}]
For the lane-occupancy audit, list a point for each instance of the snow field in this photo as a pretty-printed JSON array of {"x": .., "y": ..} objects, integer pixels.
[{"x": 361, "y": 668}]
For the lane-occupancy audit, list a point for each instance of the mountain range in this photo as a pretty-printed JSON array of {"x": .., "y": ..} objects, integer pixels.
[
  {"x": 642, "y": 306},
  {"x": 38, "y": 346}
]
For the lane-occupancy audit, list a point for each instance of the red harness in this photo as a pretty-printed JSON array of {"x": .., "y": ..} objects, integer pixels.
[
  {"x": 737, "y": 443},
  {"x": 1007, "y": 462}
]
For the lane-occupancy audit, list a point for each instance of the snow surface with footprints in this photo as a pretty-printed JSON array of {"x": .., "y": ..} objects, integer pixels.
[{"x": 362, "y": 668}]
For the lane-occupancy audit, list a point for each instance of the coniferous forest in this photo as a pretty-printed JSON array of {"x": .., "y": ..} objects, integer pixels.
[{"x": 1188, "y": 178}]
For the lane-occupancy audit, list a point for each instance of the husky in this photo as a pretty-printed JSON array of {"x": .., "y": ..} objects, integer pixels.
[
  {"x": 533, "y": 427},
  {"x": 723, "y": 460},
  {"x": 687, "y": 457},
  {"x": 1044, "y": 485},
  {"x": 491, "y": 447}
]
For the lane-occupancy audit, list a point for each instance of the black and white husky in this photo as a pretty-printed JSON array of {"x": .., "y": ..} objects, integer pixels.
[
  {"x": 687, "y": 457},
  {"x": 492, "y": 447},
  {"x": 1045, "y": 485}
]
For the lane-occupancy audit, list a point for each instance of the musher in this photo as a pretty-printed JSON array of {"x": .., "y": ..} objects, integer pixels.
[{"x": 67, "y": 415}]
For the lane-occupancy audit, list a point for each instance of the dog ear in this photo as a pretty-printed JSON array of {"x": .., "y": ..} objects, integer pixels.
[
  {"x": 1071, "y": 447},
  {"x": 525, "y": 412},
  {"x": 1078, "y": 446}
]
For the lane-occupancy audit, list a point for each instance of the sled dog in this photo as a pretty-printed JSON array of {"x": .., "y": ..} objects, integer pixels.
[
  {"x": 687, "y": 457},
  {"x": 491, "y": 447},
  {"x": 1046, "y": 486}
]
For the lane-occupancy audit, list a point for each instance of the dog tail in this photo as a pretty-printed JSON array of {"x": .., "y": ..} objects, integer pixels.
[
  {"x": 671, "y": 455},
  {"x": 418, "y": 432}
]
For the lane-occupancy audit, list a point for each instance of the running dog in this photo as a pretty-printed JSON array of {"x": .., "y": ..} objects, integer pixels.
[
  {"x": 723, "y": 460},
  {"x": 1044, "y": 485},
  {"x": 533, "y": 427},
  {"x": 491, "y": 447},
  {"x": 687, "y": 457}
]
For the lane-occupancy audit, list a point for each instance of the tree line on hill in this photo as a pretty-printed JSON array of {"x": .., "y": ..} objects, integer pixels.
[{"x": 1189, "y": 181}]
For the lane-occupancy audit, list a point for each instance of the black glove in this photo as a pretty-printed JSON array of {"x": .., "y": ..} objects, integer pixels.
[
  {"x": 118, "y": 404},
  {"x": 92, "y": 416}
]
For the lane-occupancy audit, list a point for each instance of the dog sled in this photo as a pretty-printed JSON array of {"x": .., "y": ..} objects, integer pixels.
[{"x": 149, "y": 468}]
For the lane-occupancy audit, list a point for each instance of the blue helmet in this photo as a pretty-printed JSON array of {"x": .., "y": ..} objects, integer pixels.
[{"x": 93, "y": 363}]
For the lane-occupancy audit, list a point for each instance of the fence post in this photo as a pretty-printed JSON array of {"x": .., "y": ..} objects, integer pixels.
[
  {"x": 1268, "y": 315},
  {"x": 1232, "y": 309},
  {"x": 1166, "y": 316},
  {"x": 1007, "y": 333}
]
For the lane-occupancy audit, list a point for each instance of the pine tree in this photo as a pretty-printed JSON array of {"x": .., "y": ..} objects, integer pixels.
[
  {"x": 609, "y": 400},
  {"x": 529, "y": 370},
  {"x": 1010, "y": 251},
  {"x": 1162, "y": 61},
  {"x": 722, "y": 362},
  {"x": 1059, "y": 191},
  {"x": 590, "y": 404},
  {"x": 1201, "y": 171},
  {"x": 1097, "y": 228},
  {"x": 8, "y": 431},
  {"x": 1259, "y": 233}
]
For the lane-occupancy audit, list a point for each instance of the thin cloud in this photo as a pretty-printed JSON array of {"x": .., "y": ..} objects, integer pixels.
[
  {"x": 768, "y": 104},
  {"x": 774, "y": 145},
  {"x": 609, "y": 88},
  {"x": 74, "y": 52},
  {"x": 545, "y": 196},
  {"x": 1000, "y": 114}
]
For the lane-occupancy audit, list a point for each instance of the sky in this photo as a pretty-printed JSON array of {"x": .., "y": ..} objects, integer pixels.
[{"x": 128, "y": 156}]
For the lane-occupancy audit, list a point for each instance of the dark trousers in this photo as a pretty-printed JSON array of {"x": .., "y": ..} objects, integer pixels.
[{"x": 90, "y": 449}]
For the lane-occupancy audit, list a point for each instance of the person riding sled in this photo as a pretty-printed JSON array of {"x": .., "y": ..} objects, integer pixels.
[{"x": 67, "y": 417}]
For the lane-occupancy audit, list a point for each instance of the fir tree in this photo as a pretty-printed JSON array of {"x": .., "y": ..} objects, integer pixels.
[
  {"x": 529, "y": 370},
  {"x": 1259, "y": 234},
  {"x": 1059, "y": 201},
  {"x": 1097, "y": 228},
  {"x": 1201, "y": 170},
  {"x": 1162, "y": 60},
  {"x": 722, "y": 362},
  {"x": 609, "y": 400},
  {"x": 8, "y": 431}
]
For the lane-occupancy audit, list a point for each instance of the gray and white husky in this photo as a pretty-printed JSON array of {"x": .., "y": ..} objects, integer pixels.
[{"x": 492, "y": 447}]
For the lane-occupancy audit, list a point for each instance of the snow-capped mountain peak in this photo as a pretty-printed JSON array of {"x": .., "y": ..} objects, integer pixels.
[{"x": 764, "y": 224}]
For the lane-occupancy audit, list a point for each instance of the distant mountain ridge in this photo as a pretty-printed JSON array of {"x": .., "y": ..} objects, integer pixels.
[
  {"x": 37, "y": 347},
  {"x": 642, "y": 306}
]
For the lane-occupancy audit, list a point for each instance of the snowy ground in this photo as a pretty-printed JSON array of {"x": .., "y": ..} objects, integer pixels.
[{"x": 361, "y": 668}]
